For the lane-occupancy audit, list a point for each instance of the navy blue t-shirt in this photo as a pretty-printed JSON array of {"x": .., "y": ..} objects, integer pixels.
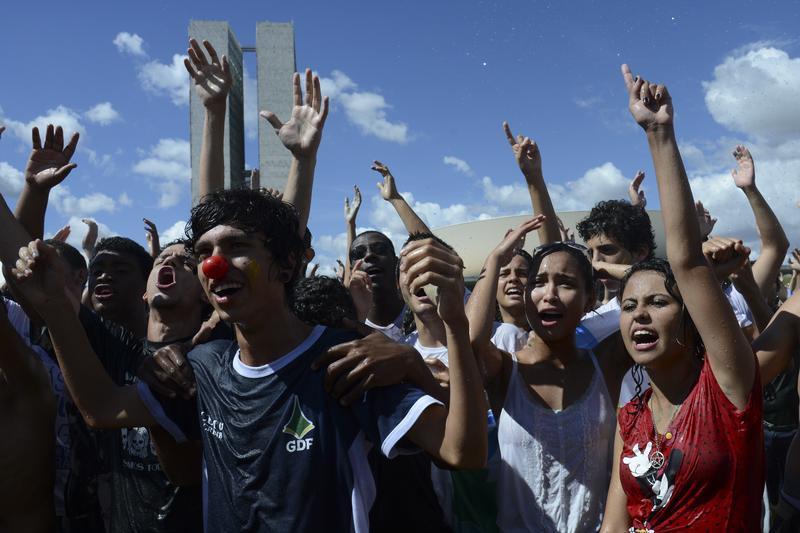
[{"x": 280, "y": 454}]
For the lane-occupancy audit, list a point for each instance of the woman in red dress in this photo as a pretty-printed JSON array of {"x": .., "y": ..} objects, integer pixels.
[{"x": 689, "y": 451}]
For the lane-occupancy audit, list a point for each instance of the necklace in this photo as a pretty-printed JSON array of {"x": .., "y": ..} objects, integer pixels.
[{"x": 657, "y": 458}]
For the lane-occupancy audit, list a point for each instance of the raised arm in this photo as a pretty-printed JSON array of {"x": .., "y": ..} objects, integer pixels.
[
  {"x": 729, "y": 353},
  {"x": 90, "y": 239},
  {"x": 302, "y": 135},
  {"x": 212, "y": 82},
  {"x": 20, "y": 366},
  {"x": 481, "y": 305},
  {"x": 388, "y": 190},
  {"x": 48, "y": 165},
  {"x": 529, "y": 159},
  {"x": 455, "y": 436},
  {"x": 774, "y": 243},
  {"x": 778, "y": 343},
  {"x": 635, "y": 191},
  {"x": 151, "y": 234},
  {"x": 350, "y": 214},
  {"x": 39, "y": 276}
]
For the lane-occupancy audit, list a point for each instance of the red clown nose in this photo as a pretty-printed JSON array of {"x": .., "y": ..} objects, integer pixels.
[{"x": 215, "y": 267}]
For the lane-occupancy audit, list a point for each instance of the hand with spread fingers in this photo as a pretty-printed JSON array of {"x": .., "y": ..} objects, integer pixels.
[
  {"x": 151, "y": 234},
  {"x": 428, "y": 262},
  {"x": 212, "y": 80},
  {"x": 515, "y": 240},
  {"x": 744, "y": 175},
  {"x": 794, "y": 261},
  {"x": 351, "y": 208},
  {"x": 526, "y": 152},
  {"x": 387, "y": 188},
  {"x": 302, "y": 134},
  {"x": 705, "y": 219},
  {"x": 49, "y": 163},
  {"x": 567, "y": 235},
  {"x": 635, "y": 192},
  {"x": 649, "y": 103}
]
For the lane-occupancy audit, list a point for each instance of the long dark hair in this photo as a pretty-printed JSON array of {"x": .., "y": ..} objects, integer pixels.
[{"x": 688, "y": 329}]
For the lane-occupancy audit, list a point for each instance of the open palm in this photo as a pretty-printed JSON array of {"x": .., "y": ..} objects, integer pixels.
[
  {"x": 212, "y": 81},
  {"x": 49, "y": 164}
]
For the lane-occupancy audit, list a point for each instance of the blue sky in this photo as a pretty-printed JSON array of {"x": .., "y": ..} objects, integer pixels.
[{"x": 427, "y": 80}]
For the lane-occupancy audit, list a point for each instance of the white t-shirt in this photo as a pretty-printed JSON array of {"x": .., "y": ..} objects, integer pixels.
[
  {"x": 739, "y": 305},
  {"x": 18, "y": 319},
  {"x": 508, "y": 337},
  {"x": 597, "y": 325},
  {"x": 394, "y": 330},
  {"x": 438, "y": 352}
]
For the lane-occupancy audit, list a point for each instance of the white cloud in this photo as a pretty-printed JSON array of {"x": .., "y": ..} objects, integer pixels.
[
  {"x": 459, "y": 164},
  {"x": 125, "y": 200},
  {"x": 168, "y": 167},
  {"x": 59, "y": 116},
  {"x": 175, "y": 231},
  {"x": 435, "y": 215},
  {"x": 78, "y": 231},
  {"x": 755, "y": 92},
  {"x": 129, "y": 43},
  {"x": 366, "y": 110},
  {"x": 103, "y": 114},
  {"x": 11, "y": 180},
  {"x": 81, "y": 206},
  {"x": 169, "y": 80},
  {"x": 598, "y": 183}
]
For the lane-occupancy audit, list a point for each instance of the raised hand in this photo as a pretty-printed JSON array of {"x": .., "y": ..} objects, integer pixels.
[
  {"x": 275, "y": 193},
  {"x": 151, "y": 234},
  {"x": 49, "y": 164},
  {"x": 303, "y": 132},
  {"x": 650, "y": 104},
  {"x": 62, "y": 234},
  {"x": 635, "y": 193},
  {"x": 744, "y": 175},
  {"x": 360, "y": 287},
  {"x": 526, "y": 152},
  {"x": 351, "y": 209},
  {"x": 427, "y": 262},
  {"x": 726, "y": 255},
  {"x": 212, "y": 81},
  {"x": 91, "y": 237},
  {"x": 705, "y": 219},
  {"x": 567, "y": 235},
  {"x": 794, "y": 261},
  {"x": 388, "y": 188},
  {"x": 515, "y": 239},
  {"x": 39, "y": 275}
]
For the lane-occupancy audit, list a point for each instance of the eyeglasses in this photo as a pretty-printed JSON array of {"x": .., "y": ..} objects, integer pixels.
[{"x": 377, "y": 248}]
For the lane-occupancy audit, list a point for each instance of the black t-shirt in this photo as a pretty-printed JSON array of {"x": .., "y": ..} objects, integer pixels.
[
  {"x": 142, "y": 498},
  {"x": 280, "y": 454},
  {"x": 781, "y": 400}
]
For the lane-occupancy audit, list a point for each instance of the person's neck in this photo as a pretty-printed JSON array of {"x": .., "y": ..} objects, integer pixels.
[
  {"x": 173, "y": 324},
  {"x": 386, "y": 306},
  {"x": 518, "y": 319},
  {"x": 134, "y": 321},
  {"x": 431, "y": 332},
  {"x": 268, "y": 338},
  {"x": 673, "y": 381},
  {"x": 561, "y": 352},
  {"x": 609, "y": 294}
]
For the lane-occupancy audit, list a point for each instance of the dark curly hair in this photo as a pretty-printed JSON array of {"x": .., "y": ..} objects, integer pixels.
[
  {"x": 69, "y": 254},
  {"x": 627, "y": 224},
  {"x": 126, "y": 246},
  {"x": 322, "y": 300},
  {"x": 689, "y": 330},
  {"x": 252, "y": 212}
]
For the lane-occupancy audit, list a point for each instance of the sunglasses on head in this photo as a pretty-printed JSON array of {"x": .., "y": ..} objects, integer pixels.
[{"x": 547, "y": 249}]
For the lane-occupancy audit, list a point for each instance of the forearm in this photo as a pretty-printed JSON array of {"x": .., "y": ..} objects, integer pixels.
[
  {"x": 212, "y": 152},
  {"x": 102, "y": 403},
  {"x": 351, "y": 236},
  {"x": 15, "y": 354},
  {"x": 465, "y": 443},
  {"x": 684, "y": 243},
  {"x": 755, "y": 301},
  {"x": 542, "y": 205},
  {"x": 411, "y": 220},
  {"x": 480, "y": 308},
  {"x": 30, "y": 210},
  {"x": 299, "y": 187},
  {"x": 776, "y": 345},
  {"x": 793, "y": 282},
  {"x": 13, "y": 235},
  {"x": 774, "y": 243}
]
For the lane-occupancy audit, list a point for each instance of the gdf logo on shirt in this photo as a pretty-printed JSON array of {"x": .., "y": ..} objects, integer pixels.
[{"x": 298, "y": 427}]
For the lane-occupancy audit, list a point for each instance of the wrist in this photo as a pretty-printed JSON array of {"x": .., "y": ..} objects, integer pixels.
[
  {"x": 306, "y": 160},
  {"x": 750, "y": 190},
  {"x": 660, "y": 132},
  {"x": 216, "y": 107}
]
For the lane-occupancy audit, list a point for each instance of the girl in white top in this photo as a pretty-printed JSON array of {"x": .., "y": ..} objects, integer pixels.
[{"x": 557, "y": 418}]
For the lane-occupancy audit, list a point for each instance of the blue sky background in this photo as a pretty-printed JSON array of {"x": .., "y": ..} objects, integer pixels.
[{"x": 413, "y": 83}]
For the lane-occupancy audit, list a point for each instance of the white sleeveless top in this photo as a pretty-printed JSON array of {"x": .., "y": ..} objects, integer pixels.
[{"x": 554, "y": 465}]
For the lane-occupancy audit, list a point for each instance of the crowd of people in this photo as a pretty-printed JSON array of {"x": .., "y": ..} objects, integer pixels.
[{"x": 217, "y": 384}]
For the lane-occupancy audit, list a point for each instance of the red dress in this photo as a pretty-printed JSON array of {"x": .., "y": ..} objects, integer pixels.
[{"x": 712, "y": 475}]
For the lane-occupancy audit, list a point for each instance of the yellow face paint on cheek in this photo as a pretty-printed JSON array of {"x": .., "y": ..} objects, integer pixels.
[{"x": 253, "y": 272}]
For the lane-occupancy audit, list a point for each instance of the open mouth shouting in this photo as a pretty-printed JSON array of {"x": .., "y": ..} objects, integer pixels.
[
  {"x": 223, "y": 292},
  {"x": 514, "y": 293},
  {"x": 166, "y": 277},
  {"x": 550, "y": 318},
  {"x": 644, "y": 339},
  {"x": 103, "y": 291}
]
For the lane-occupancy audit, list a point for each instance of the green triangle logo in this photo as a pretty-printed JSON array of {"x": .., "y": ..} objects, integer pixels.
[{"x": 299, "y": 426}]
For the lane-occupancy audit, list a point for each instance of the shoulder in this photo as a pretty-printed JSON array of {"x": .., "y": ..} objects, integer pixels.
[{"x": 211, "y": 352}]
